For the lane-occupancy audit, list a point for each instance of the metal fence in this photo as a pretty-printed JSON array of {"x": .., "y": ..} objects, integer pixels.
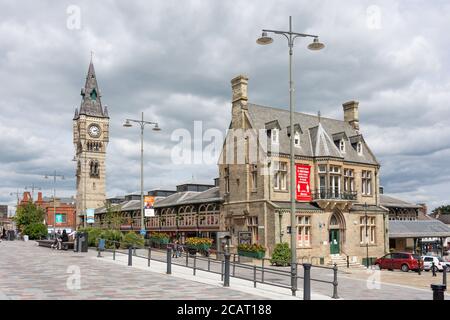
[{"x": 227, "y": 265}]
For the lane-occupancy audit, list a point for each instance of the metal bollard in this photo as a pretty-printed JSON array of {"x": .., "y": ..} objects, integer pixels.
[
  {"x": 187, "y": 258},
  {"x": 307, "y": 281},
  {"x": 433, "y": 269},
  {"x": 335, "y": 282},
  {"x": 226, "y": 282},
  {"x": 262, "y": 270},
  {"x": 222, "y": 270},
  {"x": 293, "y": 279},
  {"x": 348, "y": 262},
  {"x": 169, "y": 260},
  {"x": 438, "y": 291},
  {"x": 254, "y": 276},
  {"x": 130, "y": 256},
  {"x": 419, "y": 265},
  {"x": 209, "y": 264},
  {"x": 195, "y": 264},
  {"x": 149, "y": 257},
  {"x": 234, "y": 264},
  {"x": 444, "y": 277},
  {"x": 114, "y": 252}
]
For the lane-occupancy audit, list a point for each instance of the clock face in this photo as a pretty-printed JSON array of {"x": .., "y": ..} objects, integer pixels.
[{"x": 94, "y": 130}]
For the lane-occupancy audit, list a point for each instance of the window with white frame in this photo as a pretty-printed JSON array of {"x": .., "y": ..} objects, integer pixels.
[
  {"x": 367, "y": 229},
  {"x": 297, "y": 139},
  {"x": 359, "y": 148},
  {"x": 304, "y": 231},
  {"x": 274, "y": 135},
  {"x": 349, "y": 180},
  {"x": 280, "y": 176},
  {"x": 342, "y": 145},
  {"x": 252, "y": 225},
  {"x": 335, "y": 180},
  {"x": 366, "y": 182}
]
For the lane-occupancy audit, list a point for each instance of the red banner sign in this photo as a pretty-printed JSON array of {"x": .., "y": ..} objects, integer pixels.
[{"x": 303, "y": 192}]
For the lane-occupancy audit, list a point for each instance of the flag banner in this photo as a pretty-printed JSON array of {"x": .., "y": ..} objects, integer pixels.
[
  {"x": 148, "y": 206},
  {"x": 303, "y": 192}
]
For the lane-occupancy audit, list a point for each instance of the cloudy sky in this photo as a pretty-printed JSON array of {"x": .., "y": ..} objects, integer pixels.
[{"x": 174, "y": 60}]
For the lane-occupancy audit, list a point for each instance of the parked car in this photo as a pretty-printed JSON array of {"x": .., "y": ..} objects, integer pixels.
[
  {"x": 439, "y": 263},
  {"x": 404, "y": 261}
]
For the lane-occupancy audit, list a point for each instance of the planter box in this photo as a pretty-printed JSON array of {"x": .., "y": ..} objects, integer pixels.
[{"x": 252, "y": 254}]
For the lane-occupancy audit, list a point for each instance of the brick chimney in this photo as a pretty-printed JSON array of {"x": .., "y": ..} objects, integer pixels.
[
  {"x": 351, "y": 113},
  {"x": 239, "y": 100}
]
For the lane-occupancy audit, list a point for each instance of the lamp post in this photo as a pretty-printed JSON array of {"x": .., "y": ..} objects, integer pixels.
[
  {"x": 316, "y": 45},
  {"x": 367, "y": 236},
  {"x": 142, "y": 124},
  {"x": 54, "y": 175},
  {"x": 84, "y": 207}
]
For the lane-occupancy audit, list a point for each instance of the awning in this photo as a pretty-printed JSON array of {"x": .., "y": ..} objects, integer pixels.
[{"x": 418, "y": 229}]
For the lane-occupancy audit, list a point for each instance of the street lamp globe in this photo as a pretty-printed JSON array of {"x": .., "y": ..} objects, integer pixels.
[
  {"x": 156, "y": 127},
  {"x": 316, "y": 45},
  {"x": 127, "y": 124},
  {"x": 264, "y": 39}
]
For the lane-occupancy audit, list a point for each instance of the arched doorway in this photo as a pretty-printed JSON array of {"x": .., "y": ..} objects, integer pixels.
[{"x": 336, "y": 227}]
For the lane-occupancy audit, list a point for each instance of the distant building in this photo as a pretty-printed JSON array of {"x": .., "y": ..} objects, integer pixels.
[
  {"x": 3, "y": 211},
  {"x": 62, "y": 209}
]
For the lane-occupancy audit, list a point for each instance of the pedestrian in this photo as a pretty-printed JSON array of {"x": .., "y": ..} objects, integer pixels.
[
  {"x": 175, "y": 249},
  {"x": 64, "y": 238},
  {"x": 180, "y": 250}
]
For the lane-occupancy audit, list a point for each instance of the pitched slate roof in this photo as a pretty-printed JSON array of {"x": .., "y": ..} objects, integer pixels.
[
  {"x": 445, "y": 218},
  {"x": 391, "y": 202},
  {"x": 417, "y": 229},
  {"x": 316, "y": 137},
  {"x": 188, "y": 197},
  {"x": 91, "y": 104}
]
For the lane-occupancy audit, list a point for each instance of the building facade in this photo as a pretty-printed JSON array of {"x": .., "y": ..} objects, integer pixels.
[
  {"x": 342, "y": 185},
  {"x": 90, "y": 138}
]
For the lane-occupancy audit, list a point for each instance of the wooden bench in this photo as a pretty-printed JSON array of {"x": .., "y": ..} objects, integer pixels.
[{"x": 49, "y": 243}]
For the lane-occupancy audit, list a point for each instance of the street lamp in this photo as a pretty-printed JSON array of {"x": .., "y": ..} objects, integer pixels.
[
  {"x": 316, "y": 45},
  {"x": 54, "y": 175},
  {"x": 142, "y": 124}
]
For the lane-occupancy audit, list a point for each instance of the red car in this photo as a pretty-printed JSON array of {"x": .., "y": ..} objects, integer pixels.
[{"x": 400, "y": 260}]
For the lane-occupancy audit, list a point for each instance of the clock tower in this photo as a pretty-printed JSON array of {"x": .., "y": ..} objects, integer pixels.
[{"x": 90, "y": 138}]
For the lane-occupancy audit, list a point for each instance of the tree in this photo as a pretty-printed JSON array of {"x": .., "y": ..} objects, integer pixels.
[
  {"x": 113, "y": 217},
  {"x": 29, "y": 214},
  {"x": 443, "y": 210}
]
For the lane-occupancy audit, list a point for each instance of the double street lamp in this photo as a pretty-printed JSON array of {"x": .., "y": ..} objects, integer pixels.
[
  {"x": 54, "y": 175},
  {"x": 142, "y": 124},
  {"x": 315, "y": 45}
]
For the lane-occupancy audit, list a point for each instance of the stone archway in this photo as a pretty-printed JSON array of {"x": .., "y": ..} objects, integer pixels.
[{"x": 336, "y": 231}]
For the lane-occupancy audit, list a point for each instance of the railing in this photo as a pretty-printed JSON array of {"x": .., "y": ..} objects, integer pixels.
[
  {"x": 185, "y": 221},
  {"x": 333, "y": 194},
  {"x": 229, "y": 265}
]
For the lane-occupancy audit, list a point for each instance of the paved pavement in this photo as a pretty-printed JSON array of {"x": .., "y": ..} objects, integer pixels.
[
  {"x": 31, "y": 272},
  {"x": 353, "y": 284}
]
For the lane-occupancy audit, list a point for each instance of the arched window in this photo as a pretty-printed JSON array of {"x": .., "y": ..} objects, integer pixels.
[{"x": 94, "y": 168}]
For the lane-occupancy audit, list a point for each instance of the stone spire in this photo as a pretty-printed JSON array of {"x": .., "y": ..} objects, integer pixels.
[
  {"x": 91, "y": 104},
  {"x": 76, "y": 114}
]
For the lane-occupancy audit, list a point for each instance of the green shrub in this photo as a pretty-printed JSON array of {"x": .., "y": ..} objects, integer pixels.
[
  {"x": 35, "y": 231},
  {"x": 281, "y": 255},
  {"x": 111, "y": 237},
  {"x": 132, "y": 239},
  {"x": 251, "y": 247}
]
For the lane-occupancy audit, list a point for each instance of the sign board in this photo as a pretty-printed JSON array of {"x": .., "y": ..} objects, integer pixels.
[
  {"x": 59, "y": 218},
  {"x": 303, "y": 187},
  {"x": 245, "y": 237},
  {"x": 149, "y": 201},
  {"x": 90, "y": 215},
  {"x": 143, "y": 232}
]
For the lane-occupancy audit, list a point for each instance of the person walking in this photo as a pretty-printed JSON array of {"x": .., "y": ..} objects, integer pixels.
[{"x": 175, "y": 249}]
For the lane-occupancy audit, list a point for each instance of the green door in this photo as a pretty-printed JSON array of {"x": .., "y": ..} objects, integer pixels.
[{"x": 334, "y": 241}]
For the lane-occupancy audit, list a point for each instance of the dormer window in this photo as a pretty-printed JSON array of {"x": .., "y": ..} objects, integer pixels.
[
  {"x": 274, "y": 134},
  {"x": 342, "y": 145},
  {"x": 359, "y": 148},
  {"x": 297, "y": 139},
  {"x": 93, "y": 95}
]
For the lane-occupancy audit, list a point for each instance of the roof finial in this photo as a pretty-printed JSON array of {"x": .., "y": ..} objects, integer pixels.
[{"x": 318, "y": 115}]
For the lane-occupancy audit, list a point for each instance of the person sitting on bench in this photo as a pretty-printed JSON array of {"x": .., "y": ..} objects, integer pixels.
[{"x": 64, "y": 238}]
